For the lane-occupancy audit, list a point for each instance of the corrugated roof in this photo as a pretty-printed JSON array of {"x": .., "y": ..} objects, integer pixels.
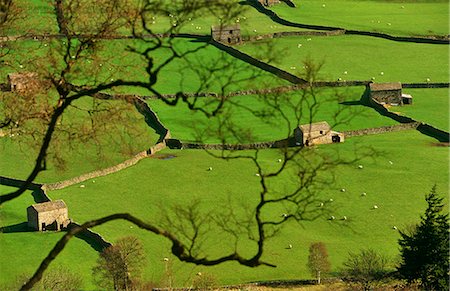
[
  {"x": 317, "y": 126},
  {"x": 385, "y": 86},
  {"x": 49, "y": 206}
]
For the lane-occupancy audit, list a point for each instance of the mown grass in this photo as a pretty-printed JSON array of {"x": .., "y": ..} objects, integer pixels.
[
  {"x": 360, "y": 58},
  {"x": 397, "y": 189},
  {"x": 393, "y": 17},
  {"x": 429, "y": 106}
]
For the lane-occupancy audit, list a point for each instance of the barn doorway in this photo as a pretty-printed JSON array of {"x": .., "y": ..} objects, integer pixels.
[{"x": 336, "y": 138}]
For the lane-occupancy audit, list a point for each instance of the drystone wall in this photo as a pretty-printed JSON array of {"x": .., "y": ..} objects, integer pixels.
[{"x": 383, "y": 129}]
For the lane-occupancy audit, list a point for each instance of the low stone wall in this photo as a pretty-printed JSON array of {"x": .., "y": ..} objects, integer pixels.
[
  {"x": 383, "y": 129},
  {"x": 425, "y": 85},
  {"x": 257, "y": 63},
  {"x": 95, "y": 240}
]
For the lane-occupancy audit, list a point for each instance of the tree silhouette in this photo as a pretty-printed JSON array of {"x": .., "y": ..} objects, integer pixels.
[{"x": 425, "y": 249}]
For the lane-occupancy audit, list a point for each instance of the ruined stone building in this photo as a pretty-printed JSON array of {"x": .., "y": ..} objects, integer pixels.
[
  {"x": 23, "y": 83},
  {"x": 269, "y": 2},
  {"x": 51, "y": 215},
  {"x": 316, "y": 133},
  {"x": 227, "y": 34}
]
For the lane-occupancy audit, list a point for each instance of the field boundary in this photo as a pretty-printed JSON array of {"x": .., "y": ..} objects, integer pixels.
[{"x": 274, "y": 17}]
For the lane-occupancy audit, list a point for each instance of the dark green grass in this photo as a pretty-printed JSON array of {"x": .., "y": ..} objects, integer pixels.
[
  {"x": 397, "y": 189},
  {"x": 429, "y": 106},
  {"x": 186, "y": 125},
  {"x": 361, "y": 57},
  {"x": 22, "y": 252},
  {"x": 381, "y": 16}
]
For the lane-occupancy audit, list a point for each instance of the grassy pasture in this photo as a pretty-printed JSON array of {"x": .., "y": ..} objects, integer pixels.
[
  {"x": 415, "y": 18},
  {"x": 397, "y": 189},
  {"x": 185, "y": 124},
  {"x": 429, "y": 105},
  {"x": 22, "y": 252},
  {"x": 361, "y": 57}
]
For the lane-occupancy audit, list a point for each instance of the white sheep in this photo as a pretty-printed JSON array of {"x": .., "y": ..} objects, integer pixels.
[
  {"x": 381, "y": 73},
  {"x": 210, "y": 169},
  {"x": 375, "y": 207},
  {"x": 82, "y": 186},
  {"x": 343, "y": 190},
  {"x": 394, "y": 227},
  {"x": 345, "y": 73},
  {"x": 279, "y": 160},
  {"x": 331, "y": 200},
  {"x": 321, "y": 204},
  {"x": 363, "y": 194},
  {"x": 289, "y": 246},
  {"x": 332, "y": 217},
  {"x": 344, "y": 217},
  {"x": 390, "y": 162},
  {"x": 257, "y": 175},
  {"x": 360, "y": 167}
]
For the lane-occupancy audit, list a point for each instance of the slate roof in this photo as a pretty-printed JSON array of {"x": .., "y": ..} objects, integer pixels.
[
  {"x": 385, "y": 86},
  {"x": 49, "y": 206},
  {"x": 317, "y": 126}
]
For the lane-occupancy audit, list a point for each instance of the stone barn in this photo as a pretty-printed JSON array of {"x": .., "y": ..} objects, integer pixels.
[
  {"x": 23, "y": 82},
  {"x": 386, "y": 93},
  {"x": 269, "y": 2},
  {"x": 316, "y": 133},
  {"x": 51, "y": 215},
  {"x": 227, "y": 34}
]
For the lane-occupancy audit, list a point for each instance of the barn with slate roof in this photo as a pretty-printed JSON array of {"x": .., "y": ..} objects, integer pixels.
[
  {"x": 227, "y": 34},
  {"x": 51, "y": 215},
  {"x": 316, "y": 133}
]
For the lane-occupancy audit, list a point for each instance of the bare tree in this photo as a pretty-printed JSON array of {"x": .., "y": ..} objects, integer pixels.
[
  {"x": 120, "y": 264},
  {"x": 186, "y": 227}
]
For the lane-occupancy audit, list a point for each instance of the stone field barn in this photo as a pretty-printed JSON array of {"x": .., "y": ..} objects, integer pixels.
[{"x": 51, "y": 215}]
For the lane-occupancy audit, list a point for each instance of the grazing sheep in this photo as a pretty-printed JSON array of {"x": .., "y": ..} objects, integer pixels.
[
  {"x": 284, "y": 215},
  {"x": 321, "y": 204},
  {"x": 257, "y": 175},
  {"x": 363, "y": 194},
  {"x": 210, "y": 169},
  {"x": 279, "y": 160},
  {"x": 289, "y": 246},
  {"x": 345, "y": 73},
  {"x": 381, "y": 73},
  {"x": 332, "y": 217},
  {"x": 344, "y": 217},
  {"x": 360, "y": 167},
  {"x": 343, "y": 190},
  {"x": 390, "y": 162},
  {"x": 82, "y": 186},
  {"x": 331, "y": 200},
  {"x": 394, "y": 227},
  {"x": 375, "y": 207}
]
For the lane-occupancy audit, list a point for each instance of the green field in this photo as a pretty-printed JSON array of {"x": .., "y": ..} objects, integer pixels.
[
  {"x": 392, "y": 17},
  {"x": 426, "y": 101},
  {"x": 360, "y": 58},
  {"x": 365, "y": 226},
  {"x": 405, "y": 167}
]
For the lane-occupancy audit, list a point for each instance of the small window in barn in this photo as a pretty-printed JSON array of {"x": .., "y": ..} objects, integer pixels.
[
  {"x": 321, "y": 132},
  {"x": 231, "y": 32},
  {"x": 229, "y": 40},
  {"x": 43, "y": 226}
]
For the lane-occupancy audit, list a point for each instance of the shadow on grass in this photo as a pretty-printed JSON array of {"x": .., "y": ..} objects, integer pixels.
[
  {"x": 351, "y": 103},
  {"x": 19, "y": 227}
]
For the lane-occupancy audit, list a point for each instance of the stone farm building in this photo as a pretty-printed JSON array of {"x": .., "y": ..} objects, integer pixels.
[
  {"x": 269, "y": 2},
  {"x": 386, "y": 93},
  {"x": 23, "y": 82},
  {"x": 316, "y": 133},
  {"x": 51, "y": 215},
  {"x": 227, "y": 34}
]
